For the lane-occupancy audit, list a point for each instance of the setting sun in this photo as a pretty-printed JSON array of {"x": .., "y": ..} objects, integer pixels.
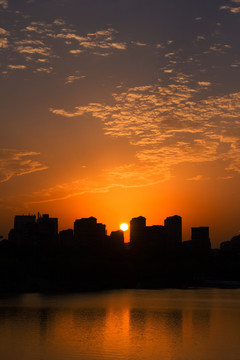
[{"x": 124, "y": 227}]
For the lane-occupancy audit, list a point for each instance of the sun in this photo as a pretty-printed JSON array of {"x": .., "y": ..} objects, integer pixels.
[{"x": 124, "y": 227}]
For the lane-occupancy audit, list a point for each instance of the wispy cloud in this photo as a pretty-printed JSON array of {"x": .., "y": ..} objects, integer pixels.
[
  {"x": 231, "y": 9},
  {"x": 201, "y": 37},
  {"x": 68, "y": 190},
  {"x": 204, "y": 83},
  {"x": 138, "y": 43},
  {"x": 47, "y": 70},
  {"x": 4, "y": 38},
  {"x": 44, "y": 51},
  {"x": 101, "y": 39},
  {"x": 168, "y": 126},
  {"x": 218, "y": 48},
  {"x": 76, "y": 51},
  {"x": 59, "y": 22},
  {"x": 196, "y": 178},
  {"x": 127, "y": 176},
  {"x": 4, "y": 4},
  {"x": 29, "y": 42},
  {"x": 17, "y": 67},
  {"x": 71, "y": 78},
  {"x": 3, "y": 31},
  {"x": 236, "y": 64},
  {"x": 41, "y": 39},
  {"x": 18, "y": 163}
]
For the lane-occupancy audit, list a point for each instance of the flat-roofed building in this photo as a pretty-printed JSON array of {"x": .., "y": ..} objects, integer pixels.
[
  {"x": 24, "y": 231},
  {"x": 47, "y": 228},
  {"x": 137, "y": 231},
  {"x": 173, "y": 230},
  {"x": 88, "y": 232},
  {"x": 200, "y": 238}
]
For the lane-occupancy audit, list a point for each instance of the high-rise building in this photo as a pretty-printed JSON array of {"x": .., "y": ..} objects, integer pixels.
[
  {"x": 24, "y": 231},
  {"x": 66, "y": 237},
  {"x": 200, "y": 238},
  {"x": 87, "y": 231},
  {"x": 117, "y": 240},
  {"x": 155, "y": 237},
  {"x": 137, "y": 230},
  {"x": 231, "y": 246},
  {"x": 21, "y": 221},
  {"x": 173, "y": 230},
  {"x": 28, "y": 231},
  {"x": 47, "y": 228}
]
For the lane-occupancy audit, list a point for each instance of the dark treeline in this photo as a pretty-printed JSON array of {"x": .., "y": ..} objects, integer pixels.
[{"x": 36, "y": 258}]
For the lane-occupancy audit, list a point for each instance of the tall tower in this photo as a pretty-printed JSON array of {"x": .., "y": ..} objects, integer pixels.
[
  {"x": 24, "y": 231},
  {"x": 137, "y": 230},
  {"x": 200, "y": 238},
  {"x": 88, "y": 232},
  {"x": 47, "y": 228},
  {"x": 173, "y": 230}
]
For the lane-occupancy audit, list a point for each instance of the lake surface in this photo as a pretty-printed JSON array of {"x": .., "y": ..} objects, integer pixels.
[{"x": 201, "y": 324}]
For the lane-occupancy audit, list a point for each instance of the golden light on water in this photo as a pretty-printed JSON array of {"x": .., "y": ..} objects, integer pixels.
[{"x": 124, "y": 227}]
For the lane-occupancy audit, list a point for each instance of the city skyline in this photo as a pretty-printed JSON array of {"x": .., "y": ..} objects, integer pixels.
[
  {"x": 126, "y": 229},
  {"x": 121, "y": 108},
  {"x": 86, "y": 258},
  {"x": 26, "y": 228}
]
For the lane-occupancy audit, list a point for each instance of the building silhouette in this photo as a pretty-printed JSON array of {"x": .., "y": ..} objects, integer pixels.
[
  {"x": 66, "y": 237},
  {"x": 88, "y": 232},
  {"x": 116, "y": 240},
  {"x": 231, "y": 246},
  {"x": 156, "y": 237},
  {"x": 28, "y": 231},
  {"x": 173, "y": 231},
  {"x": 200, "y": 238},
  {"x": 47, "y": 229},
  {"x": 24, "y": 230},
  {"x": 86, "y": 258},
  {"x": 200, "y": 241},
  {"x": 137, "y": 231}
]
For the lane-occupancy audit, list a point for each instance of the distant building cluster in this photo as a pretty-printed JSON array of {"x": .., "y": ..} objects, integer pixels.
[
  {"x": 167, "y": 237},
  {"x": 232, "y": 245},
  {"x": 30, "y": 230},
  {"x": 37, "y": 257}
]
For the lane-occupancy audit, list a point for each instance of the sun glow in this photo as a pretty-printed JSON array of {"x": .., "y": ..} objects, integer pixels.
[{"x": 124, "y": 227}]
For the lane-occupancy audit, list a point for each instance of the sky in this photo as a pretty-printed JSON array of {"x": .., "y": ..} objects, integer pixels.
[{"x": 121, "y": 108}]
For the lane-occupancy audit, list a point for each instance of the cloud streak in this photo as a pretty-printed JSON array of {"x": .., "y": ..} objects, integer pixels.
[
  {"x": 3, "y": 38},
  {"x": 17, "y": 163},
  {"x": 17, "y": 67},
  {"x": 4, "y": 4},
  {"x": 232, "y": 9},
  {"x": 168, "y": 126},
  {"x": 40, "y": 40},
  {"x": 72, "y": 78}
]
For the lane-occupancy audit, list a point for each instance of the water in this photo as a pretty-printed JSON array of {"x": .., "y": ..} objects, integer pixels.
[{"x": 129, "y": 324}]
